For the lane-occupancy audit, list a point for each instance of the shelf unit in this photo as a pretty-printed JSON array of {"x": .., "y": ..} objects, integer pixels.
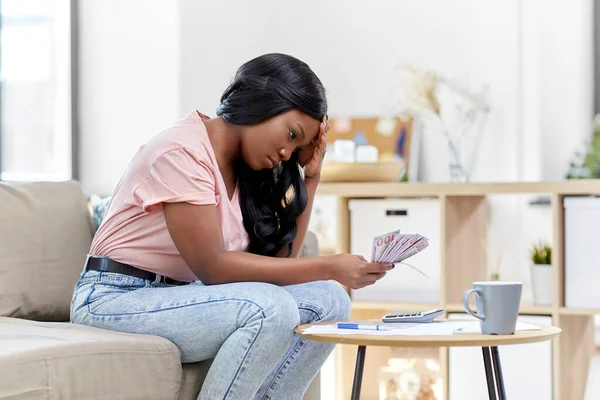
[{"x": 464, "y": 217}]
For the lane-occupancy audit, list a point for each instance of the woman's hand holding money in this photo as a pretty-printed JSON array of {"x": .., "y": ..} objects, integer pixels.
[{"x": 355, "y": 271}]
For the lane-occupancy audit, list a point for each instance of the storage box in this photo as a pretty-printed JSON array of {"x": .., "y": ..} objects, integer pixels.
[
  {"x": 370, "y": 218},
  {"x": 582, "y": 252}
]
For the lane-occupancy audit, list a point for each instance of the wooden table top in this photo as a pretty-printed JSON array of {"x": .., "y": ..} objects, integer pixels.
[{"x": 456, "y": 340}]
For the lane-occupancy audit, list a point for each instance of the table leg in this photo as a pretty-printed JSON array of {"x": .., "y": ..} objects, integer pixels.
[
  {"x": 493, "y": 373},
  {"x": 489, "y": 373},
  {"x": 498, "y": 372},
  {"x": 358, "y": 372}
]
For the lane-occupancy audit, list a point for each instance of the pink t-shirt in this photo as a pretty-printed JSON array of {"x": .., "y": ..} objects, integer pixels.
[{"x": 178, "y": 165}]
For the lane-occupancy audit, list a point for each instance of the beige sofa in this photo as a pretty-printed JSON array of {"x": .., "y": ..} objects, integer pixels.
[{"x": 45, "y": 233}]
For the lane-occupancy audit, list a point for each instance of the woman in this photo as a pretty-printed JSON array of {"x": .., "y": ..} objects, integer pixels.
[{"x": 200, "y": 242}]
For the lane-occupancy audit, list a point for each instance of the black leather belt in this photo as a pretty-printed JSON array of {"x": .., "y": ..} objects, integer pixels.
[{"x": 106, "y": 264}]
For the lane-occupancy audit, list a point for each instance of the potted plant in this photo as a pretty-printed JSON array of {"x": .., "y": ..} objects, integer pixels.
[
  {"x": 586, "y": 163},
  {"x": 541, "y": 273}
]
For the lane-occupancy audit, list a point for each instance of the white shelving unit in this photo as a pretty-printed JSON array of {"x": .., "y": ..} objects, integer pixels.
[{"x": 462, "y": 213}]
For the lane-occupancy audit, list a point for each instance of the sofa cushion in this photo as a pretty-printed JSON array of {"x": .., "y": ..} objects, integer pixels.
[
  {"x": 52, "y": 360},
  {"x": 192, "y": 379},
  {"x": 45, "y": 234},
  {"x": 99, "y": 206},
  {"x": 310, "y": 247}
]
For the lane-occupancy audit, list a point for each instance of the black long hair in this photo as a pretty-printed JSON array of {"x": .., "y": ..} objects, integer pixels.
[{"x": 272, "y": 200}]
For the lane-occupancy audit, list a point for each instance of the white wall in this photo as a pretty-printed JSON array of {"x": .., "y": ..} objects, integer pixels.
[
  {"x": 535, "y": 55},
  {"x": 354, "y": 48},
  {"x": 557, "y": 55},
  {"x": 129, "y": 82},
  {"x": 566, "y": 81},
  {"x": 159, "y": 59},
  {"x": 216, "y": 38}
]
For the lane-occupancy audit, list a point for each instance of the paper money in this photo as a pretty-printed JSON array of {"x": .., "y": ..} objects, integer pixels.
[
  {"x": 381, "y": 242},
  {"x": 395, "y": 247},
  {"x": 406, "y": 247}
]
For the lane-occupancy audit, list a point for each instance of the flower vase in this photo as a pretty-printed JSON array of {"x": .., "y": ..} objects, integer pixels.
[
  {"x": 541, "y": 282},
  {"x": 458, "y": 173}
]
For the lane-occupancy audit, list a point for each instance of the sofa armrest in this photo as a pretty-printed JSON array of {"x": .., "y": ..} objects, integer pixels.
[{"x": 310, "y": 248}]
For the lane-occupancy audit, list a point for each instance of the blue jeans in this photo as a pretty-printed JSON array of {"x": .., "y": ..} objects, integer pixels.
[{"x": 247, "y": 328}]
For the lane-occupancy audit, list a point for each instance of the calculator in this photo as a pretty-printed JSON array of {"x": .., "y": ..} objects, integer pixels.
[{"x": 414, "y": 316}]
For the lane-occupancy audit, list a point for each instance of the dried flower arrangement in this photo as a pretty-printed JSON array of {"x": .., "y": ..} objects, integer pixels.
[{"x": 420, "y": 95}]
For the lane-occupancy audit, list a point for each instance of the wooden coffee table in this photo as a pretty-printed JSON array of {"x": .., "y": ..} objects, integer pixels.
[{"x": 488, "y": 343}]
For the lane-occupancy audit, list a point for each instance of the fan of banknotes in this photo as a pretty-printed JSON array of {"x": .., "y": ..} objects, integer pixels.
[{"x": 395, "y": 247}]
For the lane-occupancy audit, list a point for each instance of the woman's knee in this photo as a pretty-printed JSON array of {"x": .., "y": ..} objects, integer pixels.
[
  {"x": 278, "y": 309},
  {"x": 341, "y": 305},
  {"x": 331, "y": 298}
]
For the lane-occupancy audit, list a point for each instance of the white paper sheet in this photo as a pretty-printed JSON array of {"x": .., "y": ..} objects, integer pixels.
[
  {"x": 409, "y": 329},
  {"x": 474, "y": 327},
  {"x": 444, "y": 328}
]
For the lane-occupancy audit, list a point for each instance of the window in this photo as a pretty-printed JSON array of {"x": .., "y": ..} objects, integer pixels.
[{"x": 36, "y": 111}]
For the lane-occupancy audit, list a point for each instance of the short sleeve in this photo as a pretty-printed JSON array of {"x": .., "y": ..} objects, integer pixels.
[{"x": 178, "y": 175}]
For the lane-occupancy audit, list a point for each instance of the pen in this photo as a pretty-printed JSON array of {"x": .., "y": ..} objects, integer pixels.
[{"x": 369, "y": 327}]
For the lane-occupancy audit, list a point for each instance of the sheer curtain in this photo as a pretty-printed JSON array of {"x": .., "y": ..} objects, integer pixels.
[{"x": 35, "y": 101}]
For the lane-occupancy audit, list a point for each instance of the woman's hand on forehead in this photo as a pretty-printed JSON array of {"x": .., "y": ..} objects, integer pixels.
[{"x": 306, "y": 151}]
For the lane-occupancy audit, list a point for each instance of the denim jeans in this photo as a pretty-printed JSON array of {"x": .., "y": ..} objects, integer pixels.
[{"x": 247, "y": 328}]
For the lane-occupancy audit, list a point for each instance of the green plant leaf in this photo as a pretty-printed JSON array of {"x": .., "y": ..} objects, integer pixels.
[{"x": 541, "y": 253}]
